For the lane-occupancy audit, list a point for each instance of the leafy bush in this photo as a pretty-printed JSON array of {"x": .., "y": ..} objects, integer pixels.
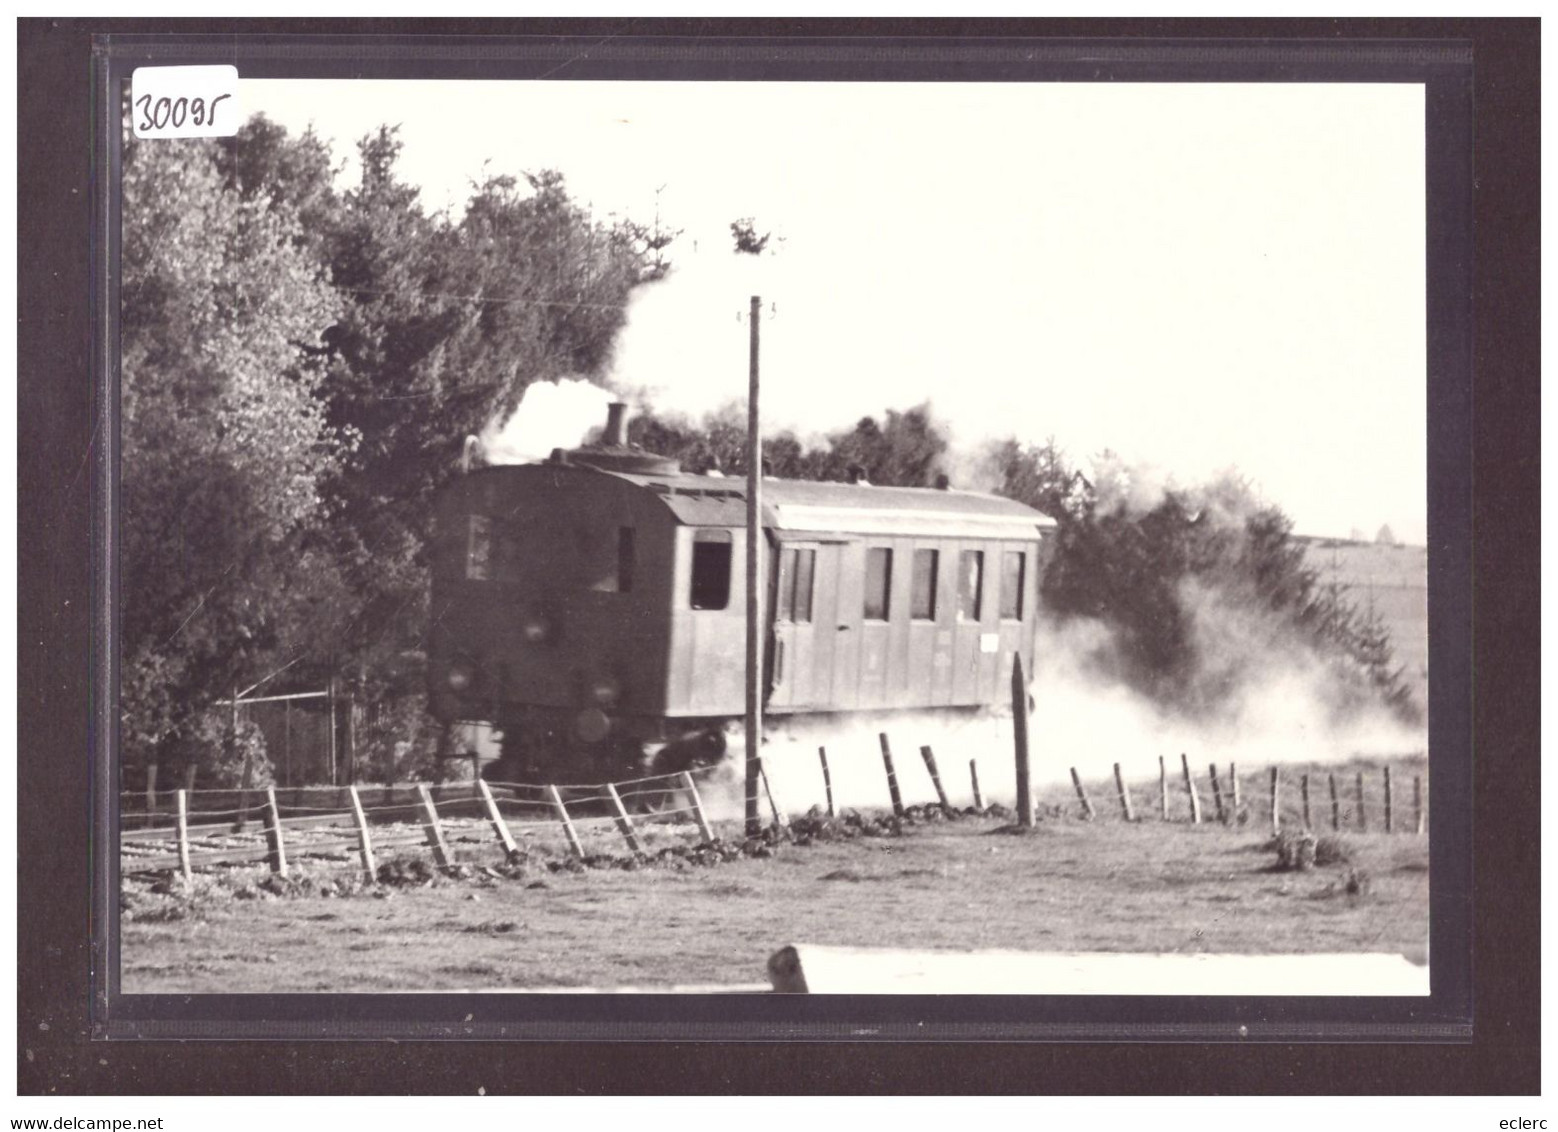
[
  {"x": 207, "y": 744},
  {"x": 1296, "y": 852},
  {"x": 1332, "y": 851}
]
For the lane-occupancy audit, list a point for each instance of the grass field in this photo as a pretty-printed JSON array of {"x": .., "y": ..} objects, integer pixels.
[{"x": 1070, "y": 885}]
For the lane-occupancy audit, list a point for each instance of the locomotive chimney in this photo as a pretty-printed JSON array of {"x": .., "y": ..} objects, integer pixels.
[
  {"x": 615, "y": 435},
  {"x": 943, "y": 483}
]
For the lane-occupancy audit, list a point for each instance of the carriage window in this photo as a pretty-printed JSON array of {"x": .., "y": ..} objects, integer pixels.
[
  {"x": 879, "y": 582},
  {"x": 971, "y": 577},
  {"x": 797, "y": 569},
  {"x": 1012, "y": 577},
  {"x": 922, "y": 603},
  {"x": 478, "y": 548},
  {"x": 710, "y": 570},
  {"x": 805, "y": 575}
]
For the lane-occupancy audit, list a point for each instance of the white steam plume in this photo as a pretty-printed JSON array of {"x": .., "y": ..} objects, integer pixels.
[
  {"x": 548, "y": 416},
  {"x": 1078, "y": 721}
]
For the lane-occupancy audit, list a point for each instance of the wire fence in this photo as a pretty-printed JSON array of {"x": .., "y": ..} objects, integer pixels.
[
  {"x": 216, "y": 828},
  {"x": 213, "y": 828},
  {"x": 1382, "y": 797}
]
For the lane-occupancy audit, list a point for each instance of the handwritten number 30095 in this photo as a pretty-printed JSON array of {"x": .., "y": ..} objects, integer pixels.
[{"x": 176, "y": 111}]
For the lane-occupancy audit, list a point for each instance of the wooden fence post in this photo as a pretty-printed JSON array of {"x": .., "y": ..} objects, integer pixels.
[
  {"x": 1217, "y": 794},
  {"x": 1303, "y": 790},
  {"x": 1389, "y": 803},
  {"x": 1020, "y": 744},
  {"x": 273, "y": 835},
  {"x": 1336, "y": 805},
  {"x": 246, "y": 776},
  {"x": 1125, "y": 795},
  {"x": 827, "y": 778},
  {"x": 1363, "y": 816},
  {"x": 495, "y": 816},
  {"x": 935, "y": 776},
  {"x": 624, "y": 823},
  {"x": 151, "y": 796},
  {"x": 1190, "y": 791},
  {"x": 1233, "y": 790},
  {"x": 1417, "y": 800},
  {"x": 364, "y": 842},
  {"x": 697, "y": 806},
  {"x": 892, "y": 776},
  {"x": 562, "y": 816},
  {"x": 973, "y": 777},
  {"x": 1162, "y": 789},
  {"x": 351, "y": 739},
  {"x": 1276, "y": 794},
  {"x": 433, "y": 828},
  {"x": 181, "y": 832},
  {"x": 1087, "y": 805},
  {"x": 335, "y": 778},
  {"x": 780, "y": 819}
]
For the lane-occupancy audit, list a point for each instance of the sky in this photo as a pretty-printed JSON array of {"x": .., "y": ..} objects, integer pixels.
[{"x": 1195, "y": 276}]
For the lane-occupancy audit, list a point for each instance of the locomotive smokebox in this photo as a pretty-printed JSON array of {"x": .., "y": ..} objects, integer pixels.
[{"x": 616, "y": 434}]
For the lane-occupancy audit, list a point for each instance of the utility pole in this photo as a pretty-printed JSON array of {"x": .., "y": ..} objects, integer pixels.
[{"x": 754, "y": 720}]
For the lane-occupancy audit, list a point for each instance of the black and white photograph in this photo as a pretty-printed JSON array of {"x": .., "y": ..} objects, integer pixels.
[
  {"x": 843, "y": 538},
  {"x": 925, "y": 557}
]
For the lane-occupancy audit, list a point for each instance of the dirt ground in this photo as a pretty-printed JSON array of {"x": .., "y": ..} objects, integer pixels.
[{"x": 1070, "y": 885}]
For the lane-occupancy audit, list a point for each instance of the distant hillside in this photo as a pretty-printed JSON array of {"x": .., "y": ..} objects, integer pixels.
[{"x": 1395, "y": 580}]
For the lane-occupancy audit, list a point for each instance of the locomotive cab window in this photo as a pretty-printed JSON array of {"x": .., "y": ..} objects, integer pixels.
[
  {"x": 797, "y": 571},
  {"x": 625, "y": 558},
  {"x": 620, "y": 580},
  {"x": 605, "y": 559},
  {"x": 971, "y": 578},
  {"x": 711, "y": 552},
  {"x": 478, "y": 548},
  {"x": 922, "y": 602},
  {"x": 879, "y": 583},
  {"x": 1013, "y": 574}
]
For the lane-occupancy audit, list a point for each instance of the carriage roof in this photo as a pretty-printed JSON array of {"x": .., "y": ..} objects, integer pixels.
[{"x": 808, "y": 506}]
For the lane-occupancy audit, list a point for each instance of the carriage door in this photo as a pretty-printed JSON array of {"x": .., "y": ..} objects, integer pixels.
[{"x": 804, "y": 598}]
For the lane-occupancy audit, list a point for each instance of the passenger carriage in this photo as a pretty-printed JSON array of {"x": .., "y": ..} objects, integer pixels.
[{"x": 592, "y": 606}]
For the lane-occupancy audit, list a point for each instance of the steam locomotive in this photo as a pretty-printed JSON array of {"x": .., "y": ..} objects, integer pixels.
[{"x": 591, "y": 606}]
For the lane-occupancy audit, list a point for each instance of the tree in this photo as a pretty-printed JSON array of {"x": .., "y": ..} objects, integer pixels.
[
  {"x": 747, "y": 239},
  {"x": 294, "y": 175},
  {"x": 301, "y": 366},
  {"x": 1040, "y": 476},
  {"x": 1372, "y": 650},
  {"x": 906, "y": 450},
  {"x": 225, "y": 445}
]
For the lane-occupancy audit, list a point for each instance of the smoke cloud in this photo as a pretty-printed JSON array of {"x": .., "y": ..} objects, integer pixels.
[
  {"x": 1287, "y": 712},
  {"x": 548, "y": 416}
]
